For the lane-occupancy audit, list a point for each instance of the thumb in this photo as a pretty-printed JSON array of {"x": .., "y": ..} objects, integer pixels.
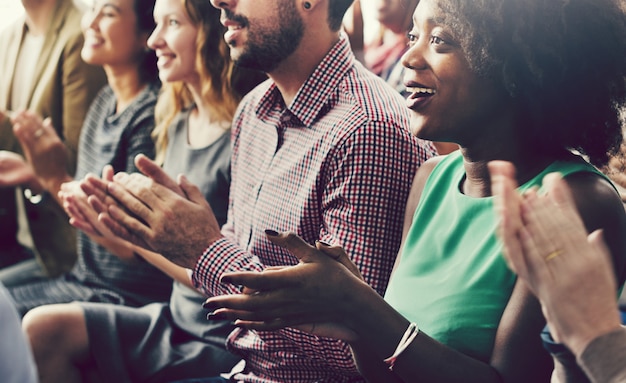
[
  {"x": 107, "y": 173},
  {"x": 339, "y": 255},
  {"x": 156, "y": 173},
  {"x": 296, "y": 245},
  {"x": 597, "y": 242},
  {"x": 190, "y": 190}
]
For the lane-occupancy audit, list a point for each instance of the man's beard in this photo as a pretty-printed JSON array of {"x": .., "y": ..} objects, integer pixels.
[{"x": 269, "y": 44}]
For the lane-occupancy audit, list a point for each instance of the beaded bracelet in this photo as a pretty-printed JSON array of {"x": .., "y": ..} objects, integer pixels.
[{"x": 407, "y": 338}]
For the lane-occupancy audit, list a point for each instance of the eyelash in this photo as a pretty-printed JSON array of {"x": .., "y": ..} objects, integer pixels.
[{"x": 436, "y": 40}]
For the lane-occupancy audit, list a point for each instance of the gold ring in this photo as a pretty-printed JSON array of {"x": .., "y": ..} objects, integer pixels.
[
  {"x": 553, "y": 255},
  {"x": 38, "y": 133}
]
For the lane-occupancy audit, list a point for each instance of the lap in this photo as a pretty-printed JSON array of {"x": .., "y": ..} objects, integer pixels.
[{"x": 146, "y": 344}]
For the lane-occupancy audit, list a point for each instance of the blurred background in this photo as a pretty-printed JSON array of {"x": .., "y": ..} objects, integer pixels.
[{"x": 12, "y": 9}]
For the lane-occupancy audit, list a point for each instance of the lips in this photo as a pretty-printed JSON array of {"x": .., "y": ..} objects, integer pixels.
[
  {"x": 92, "y": 40},
  {"x": 419, "y": 95},
  {"x": 164, "y": 59}
]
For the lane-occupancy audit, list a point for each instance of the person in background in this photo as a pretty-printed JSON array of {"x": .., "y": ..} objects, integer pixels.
[
  {"x": 160, "y": 342},
  {"x": 547, "y": 245},
  {"x": 322, "y": 149},
  {"x": 383, "y": 54},
  {"x": 453, "y": 310},
  {"x": 42, "y": 71},
  {"x": 117, "y": 128},
  {"x": 16, "y": 359}
]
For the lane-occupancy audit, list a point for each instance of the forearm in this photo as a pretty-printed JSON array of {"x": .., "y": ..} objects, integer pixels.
[
  {"x": 52, "y": 185},
  {"x": 174, "y": 271},
  {"x": 424, "y": 359},
  {"x": 220, "y": 257}
]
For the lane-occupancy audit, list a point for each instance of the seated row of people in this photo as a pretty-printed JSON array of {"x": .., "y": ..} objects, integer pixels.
[{"x": 329, "y": 152}]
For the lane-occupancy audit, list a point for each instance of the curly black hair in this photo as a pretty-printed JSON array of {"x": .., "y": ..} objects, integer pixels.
[{"x": 562, "y": 61}]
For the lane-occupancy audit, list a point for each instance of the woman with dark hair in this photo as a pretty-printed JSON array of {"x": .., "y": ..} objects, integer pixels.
[
  {"x": 159, "y": 342},
  {"x": 531, "y": 82},
  {"x": 117, "y": 128}
]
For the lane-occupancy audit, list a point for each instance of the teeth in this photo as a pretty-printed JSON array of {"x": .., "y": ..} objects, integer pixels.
[{"x": 415, "y": 89}]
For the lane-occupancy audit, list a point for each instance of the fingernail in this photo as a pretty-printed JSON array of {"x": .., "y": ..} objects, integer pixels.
[
  {"x": 226, "y": 279},
  {"x": 324, "y": 243},
  {"x": 209, "y": 305},
  {"x": 271, "y": 233}
]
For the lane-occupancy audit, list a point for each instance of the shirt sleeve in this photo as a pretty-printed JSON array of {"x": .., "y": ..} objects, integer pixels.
[
  {"x": 366, "y": 179},
  {"x": 603, "y": 359}
]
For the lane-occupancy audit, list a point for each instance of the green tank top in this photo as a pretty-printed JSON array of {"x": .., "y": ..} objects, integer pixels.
[{"x": 452, "y": 279}]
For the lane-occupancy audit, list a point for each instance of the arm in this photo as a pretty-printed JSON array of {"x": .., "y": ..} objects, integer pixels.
[
  {"x": 579, "y": 271},
  {"x": 360, "y": 208},
  {"x": 318, "y": 291},
  {"x": 43, "y": 149}
]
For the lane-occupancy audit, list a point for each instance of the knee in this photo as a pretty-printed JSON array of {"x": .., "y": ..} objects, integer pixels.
[{"x": 55, "y": 328}]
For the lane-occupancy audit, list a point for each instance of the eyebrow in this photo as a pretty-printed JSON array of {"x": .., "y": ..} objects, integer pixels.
[{"x": 110, "y": 5}]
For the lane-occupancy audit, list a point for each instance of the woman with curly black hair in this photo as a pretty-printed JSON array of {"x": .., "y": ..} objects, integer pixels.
[{"x": 538, "y": 83}]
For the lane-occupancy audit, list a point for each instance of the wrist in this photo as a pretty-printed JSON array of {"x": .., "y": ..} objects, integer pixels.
[{"x": 579, "y": 340}]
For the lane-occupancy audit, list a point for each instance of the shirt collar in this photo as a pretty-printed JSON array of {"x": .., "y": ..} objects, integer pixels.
[{"x": 317, "y": 89}]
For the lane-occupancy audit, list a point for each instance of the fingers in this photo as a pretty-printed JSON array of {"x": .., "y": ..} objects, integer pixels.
[
  {"x": 602, "y": 253},
  {"x": 130, "y": 192},
  {"x": 27, "y": 127},
  {"x": 191, "y": 191},
  {"x": 107, "y": 173},
  {"x": 339, "y": 255},
  {"x": 269, "y": 279},
  {"x": 152, "y": 170},
  {"x": 507, "y": 206},
  {"x": 292, "y": 242},
  {"x": 94, "y": 186}
]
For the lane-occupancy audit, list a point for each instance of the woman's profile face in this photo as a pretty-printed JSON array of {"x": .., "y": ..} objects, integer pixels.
[
  {"x": 174, "y": 40},
  {"x": 111, "y": 34},
  {"x": 448, "y": 101}
]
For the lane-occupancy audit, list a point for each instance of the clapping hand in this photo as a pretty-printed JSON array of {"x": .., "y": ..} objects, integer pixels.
[{"x": 313, "y": 296}]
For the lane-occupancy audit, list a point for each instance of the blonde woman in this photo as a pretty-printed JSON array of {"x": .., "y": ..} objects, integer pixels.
[{"x": 159, "y": 342}]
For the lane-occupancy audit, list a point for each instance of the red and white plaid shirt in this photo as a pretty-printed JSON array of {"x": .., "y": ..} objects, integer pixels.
[{"x": 336, "y": 165}]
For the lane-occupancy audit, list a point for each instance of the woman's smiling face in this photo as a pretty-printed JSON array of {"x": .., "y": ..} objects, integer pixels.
[
  {"x": 449, "y": 102},
  {"x": 174, "y": 40}
]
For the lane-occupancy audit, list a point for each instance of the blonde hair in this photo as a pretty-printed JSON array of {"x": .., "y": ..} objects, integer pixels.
[{"x": 215, "y": 67}]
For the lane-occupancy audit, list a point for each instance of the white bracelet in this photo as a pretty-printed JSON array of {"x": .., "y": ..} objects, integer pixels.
[{"x": 407, "y": 338}]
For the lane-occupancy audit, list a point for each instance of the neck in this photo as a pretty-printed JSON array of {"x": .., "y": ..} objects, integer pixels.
[
  {"x": 527, "y": 164},
  {"x": 125, "y": 83},
  {"x": 38, "y": 15},
  {"x": 291, "y": 74}
]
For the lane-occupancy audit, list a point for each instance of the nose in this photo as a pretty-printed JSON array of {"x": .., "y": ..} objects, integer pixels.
[
  {"x": 89, "y": 19},
  {"x": 155, "y": 40},
  {"x": 414, "y": 58},
  {"x": 223, "y": 4}
]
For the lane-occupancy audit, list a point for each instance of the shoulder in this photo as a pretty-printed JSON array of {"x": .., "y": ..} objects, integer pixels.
[
  {"x": 419, "y": 181},
  {"x": 373, "y": 97},
  {"x": 600, "y": 207}
]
